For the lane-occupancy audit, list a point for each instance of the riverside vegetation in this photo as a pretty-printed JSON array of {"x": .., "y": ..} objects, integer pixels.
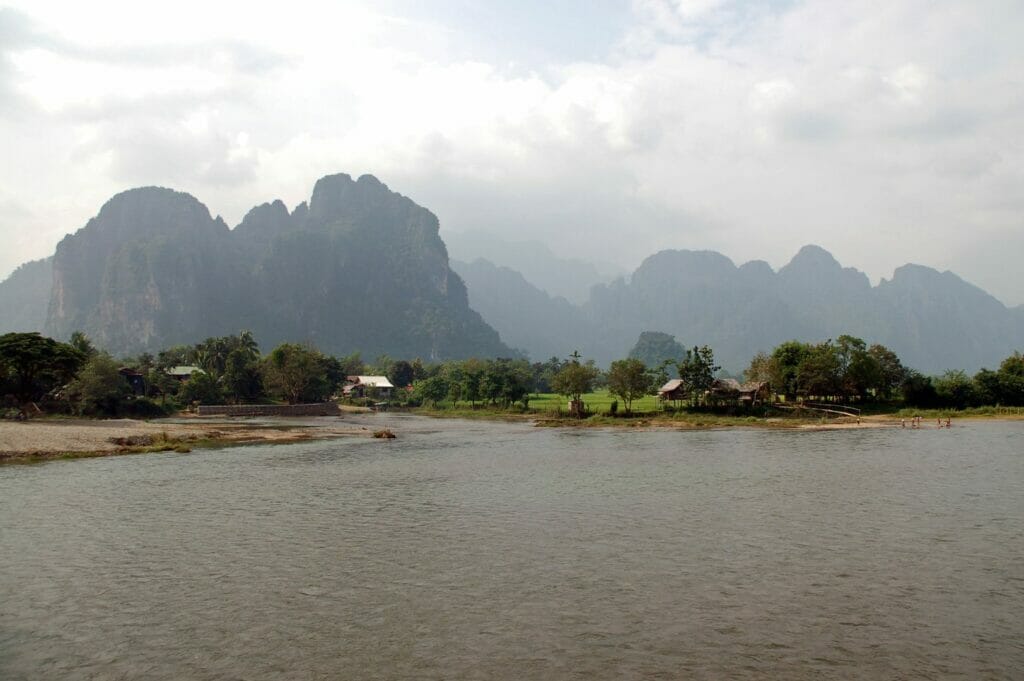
[{"x": 77, "y": 379}]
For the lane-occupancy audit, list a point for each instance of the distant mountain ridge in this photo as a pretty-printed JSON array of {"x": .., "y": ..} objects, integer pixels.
[
  {"x": 537, "y": 321},
  {"x": 934, "y": 321},
  {"x": 568, "y": 278},
  {"x": 358, "y": 268}
]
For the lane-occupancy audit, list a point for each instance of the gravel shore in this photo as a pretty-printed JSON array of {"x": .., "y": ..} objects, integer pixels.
[{"x": 48, "y": 437}]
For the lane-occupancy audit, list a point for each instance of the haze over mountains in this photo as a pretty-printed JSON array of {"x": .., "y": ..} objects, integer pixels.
[
  {"x": 934, "y": 321},
  {"x": 361, "y": 268},
  {"x": 570, "y": 278}
]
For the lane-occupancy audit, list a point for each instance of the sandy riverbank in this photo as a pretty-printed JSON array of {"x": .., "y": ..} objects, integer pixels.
[{"x": 49, "y": 438}]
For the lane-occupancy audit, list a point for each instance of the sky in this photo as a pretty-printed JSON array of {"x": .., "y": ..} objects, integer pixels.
[{"x": 886, "y": 132}]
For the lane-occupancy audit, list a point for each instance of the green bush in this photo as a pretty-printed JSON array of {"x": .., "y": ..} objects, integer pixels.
[{"x": 143, "y": 407}]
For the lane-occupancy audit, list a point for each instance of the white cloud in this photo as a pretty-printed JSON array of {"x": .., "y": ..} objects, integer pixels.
[{"x": 888, "y": 132}]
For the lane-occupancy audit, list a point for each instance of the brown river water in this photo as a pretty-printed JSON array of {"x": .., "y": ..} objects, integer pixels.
[{"x": 476, "y": 550}]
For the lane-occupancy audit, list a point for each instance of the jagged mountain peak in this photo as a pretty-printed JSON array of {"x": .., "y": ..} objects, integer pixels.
[
  {"x": 361, "y": 268},
  {"x": 694, "y": 258},
  {"x": 921, "y": 281},
  {"x": 151, "y": 210},
  {"x": 684, "y": 268},
  {"x": 366, "y": 203},
  {"x": 756, "y": 273},
  {"x": 264, "y": 221},
  {"x": 815, "y": 268},
  {"x": 813, "y": 254}
]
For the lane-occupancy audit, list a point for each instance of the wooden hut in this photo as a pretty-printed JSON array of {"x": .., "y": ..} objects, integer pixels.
[{"x": 674, "y": 391}]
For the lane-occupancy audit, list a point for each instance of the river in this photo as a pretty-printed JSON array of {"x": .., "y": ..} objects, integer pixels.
[{"x": 480, "y": 550}]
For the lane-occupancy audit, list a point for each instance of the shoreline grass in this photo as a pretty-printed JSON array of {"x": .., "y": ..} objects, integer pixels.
[{"x": 551, "y": 410}]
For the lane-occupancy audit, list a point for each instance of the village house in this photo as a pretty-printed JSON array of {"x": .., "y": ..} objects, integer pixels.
[
  {"x": 748, "y": 394},
  {"x": 673, "y": 391},
  {"x": 358, "y": 385},
  {"x": 722, "y": 391},
  {"x": 183, "y": 373}
]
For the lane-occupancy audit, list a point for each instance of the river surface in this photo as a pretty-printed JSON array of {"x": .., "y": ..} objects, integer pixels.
[{"x": 477, "y": 550}]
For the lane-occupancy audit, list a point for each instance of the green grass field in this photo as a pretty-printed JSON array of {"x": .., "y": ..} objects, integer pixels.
[{"x": 598, "y": 402}]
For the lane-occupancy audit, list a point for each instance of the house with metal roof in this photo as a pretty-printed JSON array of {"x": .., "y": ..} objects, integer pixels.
[
  {"x": 183, "y": 373},
  {"x": 358, "y": 385}
]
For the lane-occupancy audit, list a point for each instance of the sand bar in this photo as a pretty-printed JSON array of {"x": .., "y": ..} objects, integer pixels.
[{"x": 47, "y": 438}]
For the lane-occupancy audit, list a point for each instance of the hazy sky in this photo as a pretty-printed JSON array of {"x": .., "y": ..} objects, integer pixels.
[{"x": 887, "y": 132}]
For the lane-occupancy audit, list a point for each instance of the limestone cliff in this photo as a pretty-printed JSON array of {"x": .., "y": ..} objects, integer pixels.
[
  {"x": 24, "y": 296},
  {"x": 362, "y": 269}
]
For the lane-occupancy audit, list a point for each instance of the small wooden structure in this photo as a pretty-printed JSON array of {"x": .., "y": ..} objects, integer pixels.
[
  {"x": 748, "y": 394},
  {"x": 358, "y": 385},
  {"x": 135, "y": 379},
  {"x": 674, "y": 391}
]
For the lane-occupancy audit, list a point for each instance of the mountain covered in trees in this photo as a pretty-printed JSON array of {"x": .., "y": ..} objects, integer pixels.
[
  {"x": 933, "y": 320},
  {"x": 358, "y": 268}
]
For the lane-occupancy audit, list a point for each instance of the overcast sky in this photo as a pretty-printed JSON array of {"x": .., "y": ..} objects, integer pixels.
[{"x": 887, "y": 132}]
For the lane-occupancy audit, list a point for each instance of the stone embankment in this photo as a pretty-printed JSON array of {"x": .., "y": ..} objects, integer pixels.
[{"x": 320, "y": 409}]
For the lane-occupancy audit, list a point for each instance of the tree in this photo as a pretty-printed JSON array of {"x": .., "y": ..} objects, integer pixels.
[
  {"x": 99, "y": 388},
  {"x": 401, "y": 373},
  {"x": 988, "y": 388},
  {"x": 453, "y": 376},
  {"x": 859, "y": 371},
  {"x": 433, "y": 389},
  {"x": 32, "y": 365},
  {"x": 472, "y": 376},
  {"x": 296, "y": 373},
  {"x": 79, "y": 341},
  {"x": 242, "y": 380},
  {"x": 955, "y": 389},
  {"x": 573, "y": 380},
  {"x": 785, "y": 364},
  {"x": 201, "y": 388},
  {"x": 820, "y": 371},
  {"x": 891, "y": 370},
  {"x": 178, "y": 355},
  {"x": 543, "y": 372},
  {"x": 698, "y": 371},
  {"x": 760, "y": 369},
  {"x": 505, "y": 381},
  {"x": 352, "y": 365},
  {"x": 212, "y": 354},
  {"x": 629, "y": 380},
  {"x": 918, "y": 390},
  {"x": 1011, "y": 380}
]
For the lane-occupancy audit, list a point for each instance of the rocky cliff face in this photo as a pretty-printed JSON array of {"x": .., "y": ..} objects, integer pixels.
[
  {"x": 24, "y": 296},
  {"x": 372, "y": 260},
  {"x": 360, "y": 269},
  {"x": 152, "y": 269}
]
